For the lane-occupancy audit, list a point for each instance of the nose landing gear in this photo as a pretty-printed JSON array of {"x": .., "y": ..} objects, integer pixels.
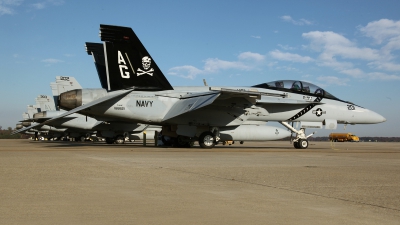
[{"x": 300, "y": 141}]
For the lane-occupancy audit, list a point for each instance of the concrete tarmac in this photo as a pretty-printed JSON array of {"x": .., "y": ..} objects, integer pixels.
[{"x": 253, "y": 183}]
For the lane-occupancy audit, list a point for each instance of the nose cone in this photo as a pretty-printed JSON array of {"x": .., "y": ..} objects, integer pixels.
[
  {"x": 369, "y": 117},
  {"x": 70, "y": 99},
  {"x": 376, "y": 118}
]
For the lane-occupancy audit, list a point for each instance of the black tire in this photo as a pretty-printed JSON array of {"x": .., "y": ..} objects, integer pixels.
[
  {"x": 110, "y": 140},
  {"x": 296, "y": 144},
  {"x": 119, "y": 140},
  {"x": 167, "y": 141},
  {"x": 189, "y": 144},
  {"x": 207, "y": 140},
  {"x": 303, "y": 143},
  {"x": 183, "y": 142},
  {"x": 180, "y": 142}
]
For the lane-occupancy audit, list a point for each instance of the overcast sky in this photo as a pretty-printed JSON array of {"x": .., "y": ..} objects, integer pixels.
[{"x": 350, "y": 48}]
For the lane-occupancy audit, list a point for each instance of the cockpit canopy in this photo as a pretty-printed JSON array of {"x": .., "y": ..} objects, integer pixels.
[{"x": 296, "y": 87}]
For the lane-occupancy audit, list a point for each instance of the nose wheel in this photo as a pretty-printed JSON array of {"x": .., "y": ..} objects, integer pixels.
[
  {"x": 301, "y": 144},
  {"x": 300, "y": 141}
]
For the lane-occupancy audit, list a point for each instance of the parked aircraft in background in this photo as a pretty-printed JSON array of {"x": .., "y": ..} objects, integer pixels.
[
  {"x": 29, "y": 122},
  {"x": 82, "y": 127}
]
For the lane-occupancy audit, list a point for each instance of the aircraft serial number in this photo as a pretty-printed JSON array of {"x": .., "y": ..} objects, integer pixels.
[{"x": 64, "y": 78}]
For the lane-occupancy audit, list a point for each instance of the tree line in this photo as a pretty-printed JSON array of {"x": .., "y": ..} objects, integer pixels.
[{"x": 6, "y": 134}]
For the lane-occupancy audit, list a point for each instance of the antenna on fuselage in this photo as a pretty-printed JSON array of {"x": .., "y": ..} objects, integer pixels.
[{"x": 205, "y": 82}]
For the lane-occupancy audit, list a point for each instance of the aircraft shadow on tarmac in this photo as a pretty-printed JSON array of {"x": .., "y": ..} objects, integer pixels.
[{"x": 150, "y": 145}]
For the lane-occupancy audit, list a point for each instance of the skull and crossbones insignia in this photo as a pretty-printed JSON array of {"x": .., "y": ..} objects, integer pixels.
[{"x": 146, "y": 63}]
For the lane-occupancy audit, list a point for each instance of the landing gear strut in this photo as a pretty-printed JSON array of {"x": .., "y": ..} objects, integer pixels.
[{"x": 300, "y": 141}]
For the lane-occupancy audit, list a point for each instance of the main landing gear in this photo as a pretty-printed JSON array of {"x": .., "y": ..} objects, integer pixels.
[
  {"x": 300, "y": 141},
  {"x": 119, "y": 139},
  {"x": 207, "y": 140},
  {"x": 179, "y": 141}
]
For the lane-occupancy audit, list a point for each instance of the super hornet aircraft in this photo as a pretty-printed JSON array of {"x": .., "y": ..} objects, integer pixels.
[
  {"x": 258, "y": 131},
  {"x": 81, "y": 127},
  {"x": 137, "y": 91}
]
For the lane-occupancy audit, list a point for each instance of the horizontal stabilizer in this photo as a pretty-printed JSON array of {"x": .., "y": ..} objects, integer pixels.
[{"x": 110, "y": 96}]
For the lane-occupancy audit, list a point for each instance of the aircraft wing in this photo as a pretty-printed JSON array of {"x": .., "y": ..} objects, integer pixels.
[
  {"x": 191, "y": 102},
  {"x": 257, "y": 97},
  {"x": 80, "y": 108}
]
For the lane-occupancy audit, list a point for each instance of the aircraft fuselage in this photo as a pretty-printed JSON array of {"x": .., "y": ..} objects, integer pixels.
[{"x": 153, "y": 107}]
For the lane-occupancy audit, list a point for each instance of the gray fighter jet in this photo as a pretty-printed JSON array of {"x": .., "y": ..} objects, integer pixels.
[
  {"x": 137, "y": 91},
  {"x": 249, "y": 131}
]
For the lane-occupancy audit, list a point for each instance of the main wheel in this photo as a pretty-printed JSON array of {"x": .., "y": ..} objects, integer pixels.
[
  {"x": 207, "y": 140},
  {"x": 166, "y": 140},
  {"x": 110, "y": 140},
  {"x": 180, "y": 141},
  {"x": 189, "y": 144},
  {"x": 303, "y": 143},
  {"x": 296, "y": 144},
  {"x": 119, "y": 139}
]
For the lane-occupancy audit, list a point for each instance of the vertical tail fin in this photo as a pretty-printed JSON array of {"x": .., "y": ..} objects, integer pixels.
[
  {"x": 97, "y": 51},
  {"x": 46, "y": 103},
  {"x": 63, "y": 84},
  {"x": 128, "y": 64},
  {"x": 25, "y": 116},
  {"x": 32, "y": 109}
]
